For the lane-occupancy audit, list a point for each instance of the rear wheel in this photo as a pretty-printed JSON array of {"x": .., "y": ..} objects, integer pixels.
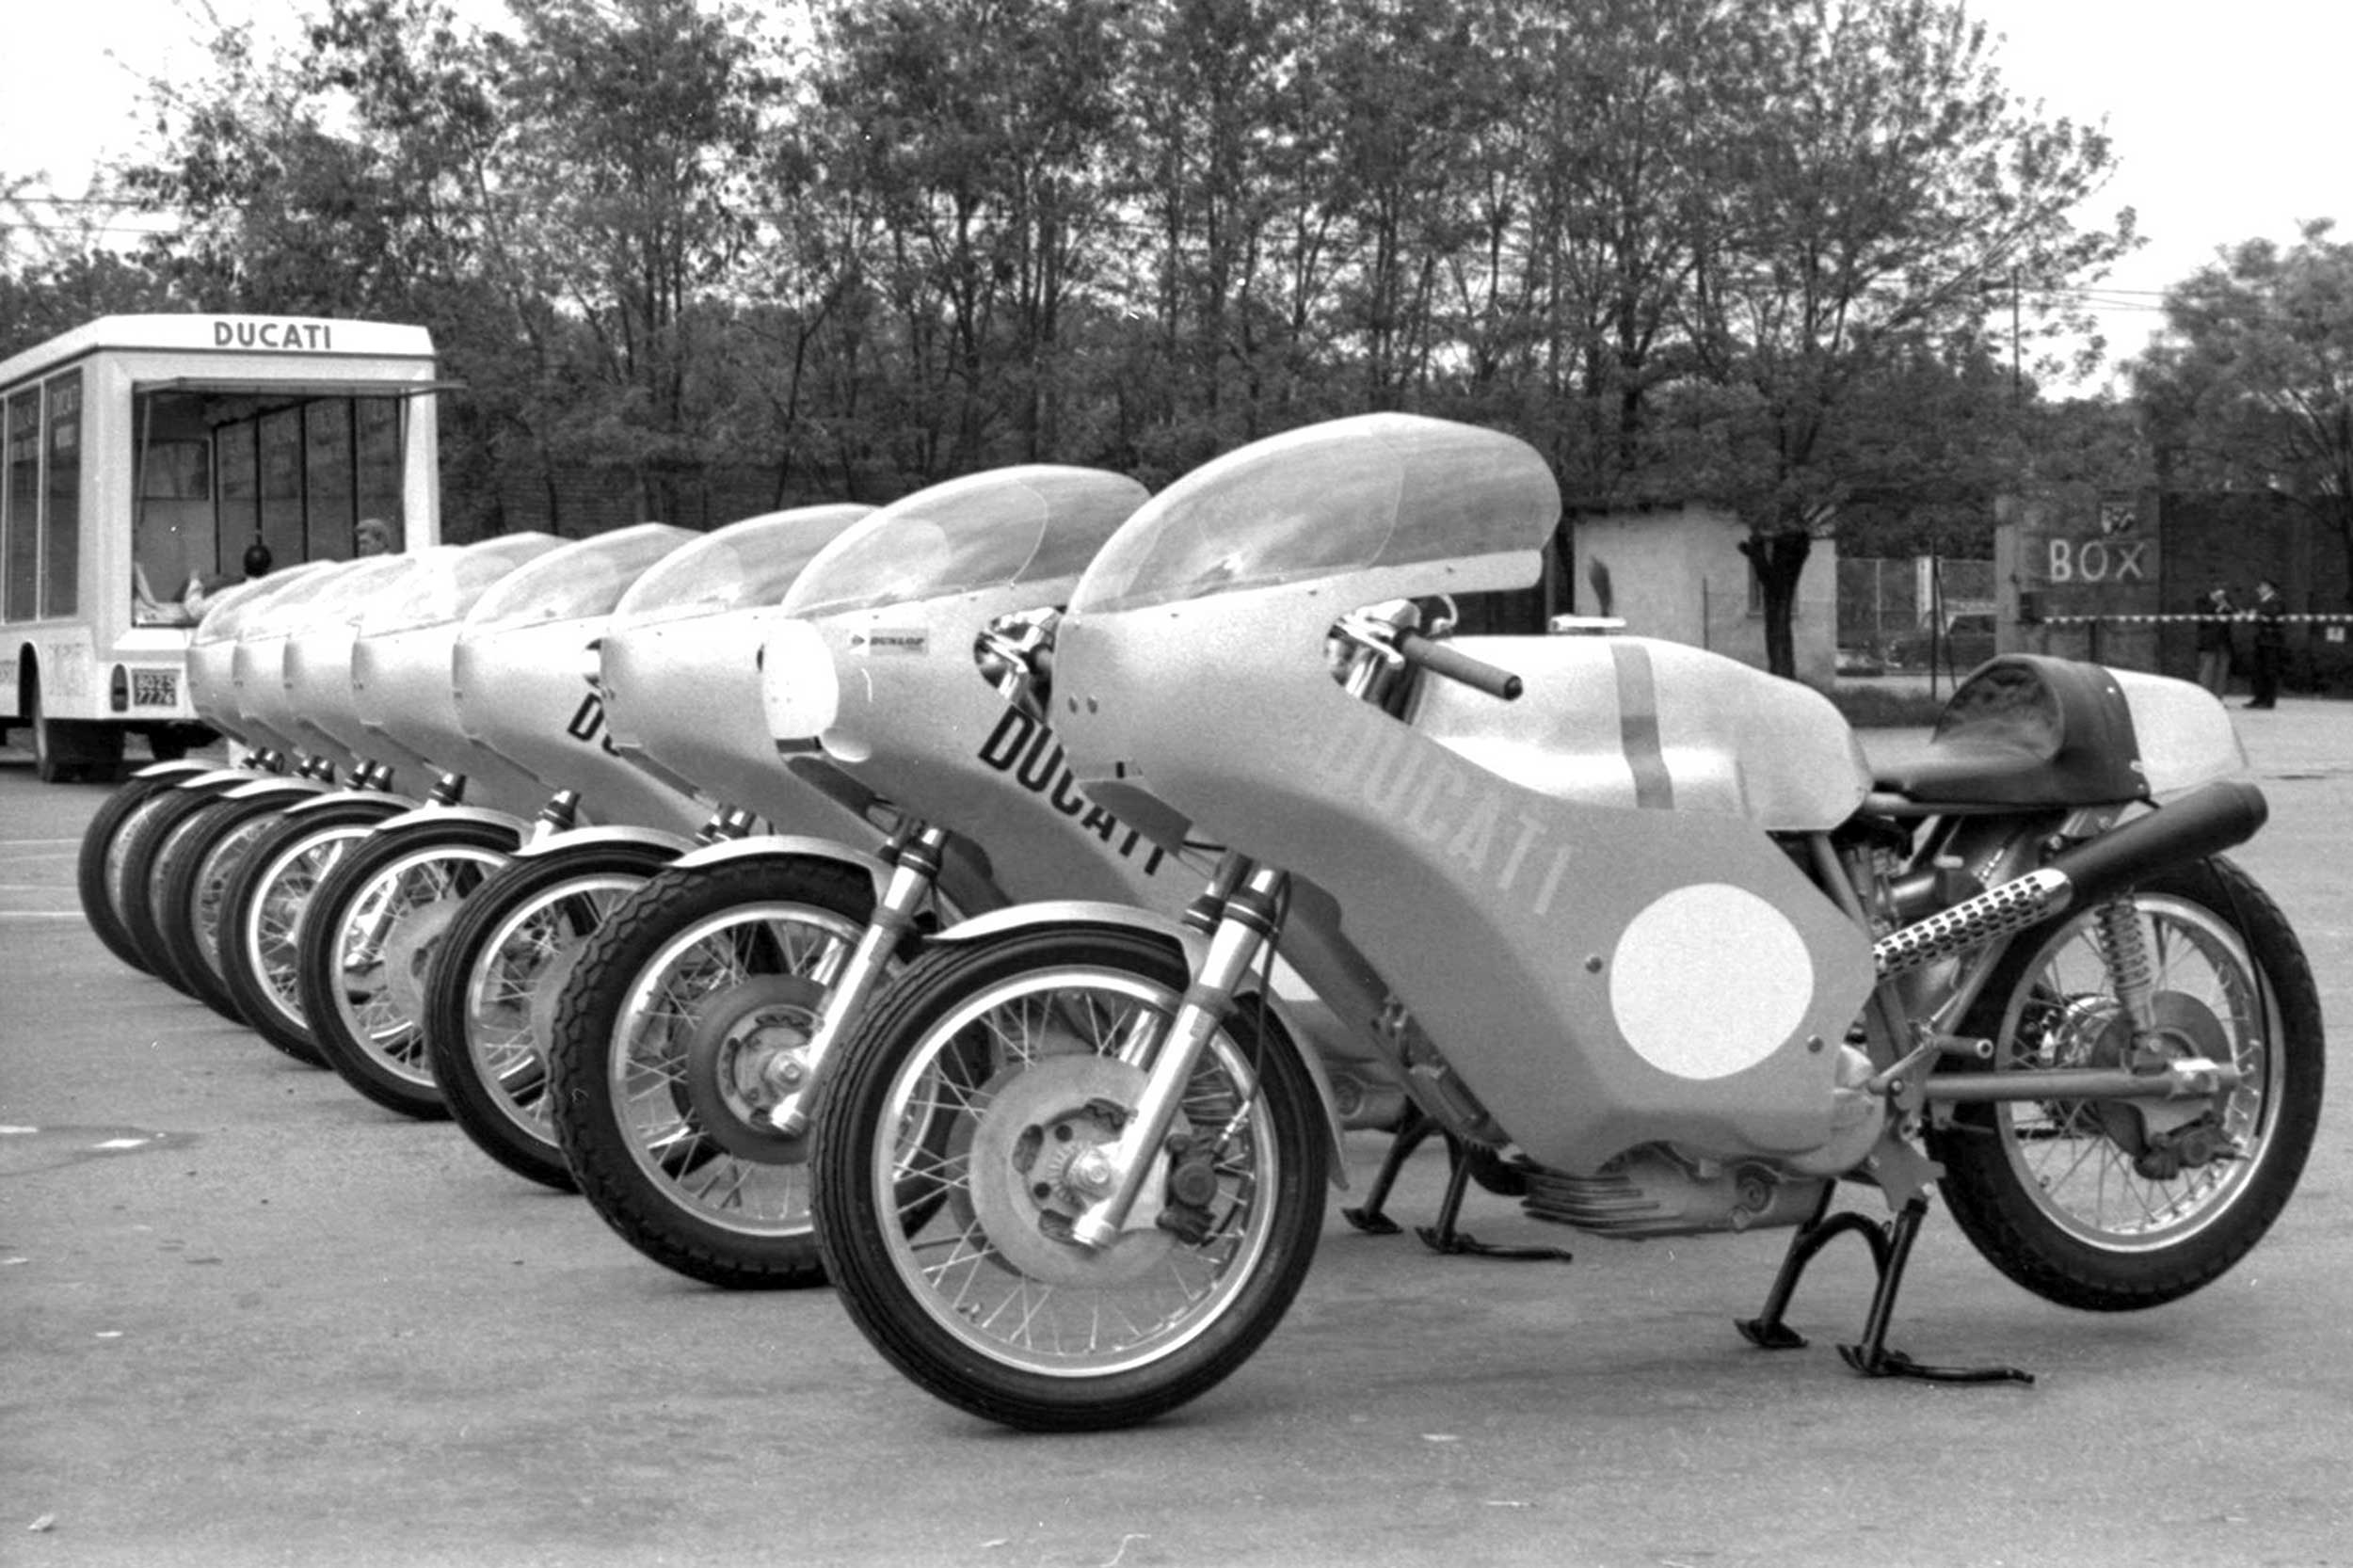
[
  {"x": 262, "y": 912},
  {"x": 685, "y": 1015},
  {"x": 2106, "y": 1206},
  {"x": 956, "y": 1152},
  {"x": 366, "y": 941},
  {"x": 491, "y": 992}
]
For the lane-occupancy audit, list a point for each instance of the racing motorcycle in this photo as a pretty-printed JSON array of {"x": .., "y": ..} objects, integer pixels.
[{"x": 1633, "y": 922}]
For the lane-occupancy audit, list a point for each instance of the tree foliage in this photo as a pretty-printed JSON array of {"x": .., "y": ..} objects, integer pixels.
[
  {"x": 2250, "y": 386},
  {"x": 1738, "y": 250}
]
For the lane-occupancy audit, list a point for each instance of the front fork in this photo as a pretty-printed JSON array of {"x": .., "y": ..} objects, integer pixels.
[
  {"x": 1247, "y": 922},
  {"x": 915, "y": 857}
]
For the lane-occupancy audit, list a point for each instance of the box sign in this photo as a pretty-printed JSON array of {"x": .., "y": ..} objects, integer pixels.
[{"x": 2096, "y": 561}]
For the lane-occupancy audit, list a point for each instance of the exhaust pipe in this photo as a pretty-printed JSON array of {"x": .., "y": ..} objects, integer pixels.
[{"x": 2199, "y": 825}]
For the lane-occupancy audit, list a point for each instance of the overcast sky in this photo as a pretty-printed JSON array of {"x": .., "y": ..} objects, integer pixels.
[{"x": 2229, "y": 118}]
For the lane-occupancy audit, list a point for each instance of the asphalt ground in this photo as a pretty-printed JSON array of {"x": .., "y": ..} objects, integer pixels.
[{"x": 247, "y": 1319}]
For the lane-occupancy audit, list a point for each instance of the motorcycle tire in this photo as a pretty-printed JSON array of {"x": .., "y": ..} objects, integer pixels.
[
  {"x": 98, "y": 865},
  {"x": 192, "y": 894},
  {"x": 492, "y": 990},
  {"x": 944, "y": 1186},
  {"x": 263, "y": 907},
  {"x": 366, "y": 940},
  {"x": 677, "y": 1004},
  {"x": 2049, "y": 1191},
  {"x": 164, "y": 828}
]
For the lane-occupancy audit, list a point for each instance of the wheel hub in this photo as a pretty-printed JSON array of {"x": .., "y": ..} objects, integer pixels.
[
  {"x": 749, "y": 1051},
  {"x": 1040, "y": 1156},
  {"x": 2162, "y": 1135},
  {"x": 408, "y": 952}
]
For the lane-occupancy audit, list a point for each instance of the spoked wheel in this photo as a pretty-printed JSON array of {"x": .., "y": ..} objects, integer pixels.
[
  {"x": 491, "y": 991},
  {"x": 98, "y": 867},
  {"x": 192, "y": 893},
  {"x": 2110, "y": 1206},
  {"x": 261, "y": 911},
  {"x": 366, "y": 941},
  {"x": 130, "y": 863},
  {"x": 963, "y": 1137},
  {"x": 680, "y": 1029},
  {"x": 172, "y": 844}
]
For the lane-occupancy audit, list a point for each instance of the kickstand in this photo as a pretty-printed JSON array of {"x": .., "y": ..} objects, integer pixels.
[
  {"x": 1411, "y": 1134},
  {"x": 1442, "y": 1237},
  {"x": 1891, "y": 1251}
]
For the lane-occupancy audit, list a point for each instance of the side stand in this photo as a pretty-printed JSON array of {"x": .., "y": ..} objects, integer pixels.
[
  {"x": 1891, "y": 1251},
  {"x": 1444, "y": 1237}
]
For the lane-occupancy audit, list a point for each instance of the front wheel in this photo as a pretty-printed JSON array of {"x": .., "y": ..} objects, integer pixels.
[
  {"x": 365, "y": 943},
  {"x": 262, "y": 910},
  {"x": 2100, "y": 1206},
  {"x": 490, "y": 994},
  {"x": 99, "y": 865},
  {"x": 685, "y": 1021},
  {"x": 952, "y": 1156}
]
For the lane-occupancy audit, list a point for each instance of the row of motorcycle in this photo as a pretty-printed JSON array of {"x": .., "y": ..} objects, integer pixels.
[{"x": 1000, "y": 904}]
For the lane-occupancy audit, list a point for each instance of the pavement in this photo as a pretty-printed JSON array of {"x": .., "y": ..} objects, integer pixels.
[{"x": 248, "y": 1319}]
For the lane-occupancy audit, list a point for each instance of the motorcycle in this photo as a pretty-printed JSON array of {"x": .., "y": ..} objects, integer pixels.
[
  {"x": 676, "y": 696},
  {"x": 505, "y": 705},
  {"x": 126, "y": 820},
  {"x": 192, "y": 867},
  {"x": 1633, "y": 922},
  {"x": 353, "y": 683},
  {"x": 697, "y": 1013}
]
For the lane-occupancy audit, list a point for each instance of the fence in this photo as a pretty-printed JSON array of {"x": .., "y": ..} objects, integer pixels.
[{"x": 1887, "y": 608}]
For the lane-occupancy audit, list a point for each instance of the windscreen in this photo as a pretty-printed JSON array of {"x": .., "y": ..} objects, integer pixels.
[
  {"x": 752, "y": 562},
  {"x": 1032, "y": 524},
  {"x": 237, "y": 609},
  {"x": 449, "y": 580},
  {"x": 348, "y": 592},
  {"x": 578, "y": 580},
  {"x": 1381, "y": 490}
]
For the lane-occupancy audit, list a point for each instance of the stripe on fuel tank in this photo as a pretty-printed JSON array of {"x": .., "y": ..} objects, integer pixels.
[{"x": 1638, "y": 729}]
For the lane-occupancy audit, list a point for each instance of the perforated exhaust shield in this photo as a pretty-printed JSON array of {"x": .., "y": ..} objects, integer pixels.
[{"x": 2010, "y": 907}]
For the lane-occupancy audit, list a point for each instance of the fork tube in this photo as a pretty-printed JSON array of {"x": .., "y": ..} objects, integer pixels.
[
  {"x": 1242, "y": 935},
  {"x": 914, "y": 872}
]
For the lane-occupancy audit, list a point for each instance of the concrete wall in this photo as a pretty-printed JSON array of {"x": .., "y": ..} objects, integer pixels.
[{"x": 1678, "y": 573}]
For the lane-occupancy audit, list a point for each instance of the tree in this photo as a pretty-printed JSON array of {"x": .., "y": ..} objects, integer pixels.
[
  {"x": 2251, "y": 384},
  {"x": 1891, "y": 183}
]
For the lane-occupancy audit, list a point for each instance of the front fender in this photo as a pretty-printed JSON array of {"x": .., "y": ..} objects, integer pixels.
[
  {"x": 168, "y": 769},
  {"x": 393, "y": 806},
  {"x": 1066, "y": 913},
  {"x": 580, "y": 837},
  {"x": 274, "y": 785},
  {"x": 455, "y": 814},
  {"x": 791, "y": 846},
  {"x": 206, "y": 778}
]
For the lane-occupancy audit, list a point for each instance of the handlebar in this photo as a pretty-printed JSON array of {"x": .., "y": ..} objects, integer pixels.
[{"x": 1441, "y": 659}]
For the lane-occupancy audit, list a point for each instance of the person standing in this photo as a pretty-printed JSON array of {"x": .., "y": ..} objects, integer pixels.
[
  {"x": 373, "y": 537},
  {"x": 2271, "y": 644},
  {"x": 2213, "y": 639}
]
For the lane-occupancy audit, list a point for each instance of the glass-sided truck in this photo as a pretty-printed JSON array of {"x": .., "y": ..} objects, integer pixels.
[{"x": 150, "y": 460}]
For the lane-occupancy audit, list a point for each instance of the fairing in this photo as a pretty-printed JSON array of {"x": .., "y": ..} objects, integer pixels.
[
  {"x": 520, "y": 669},
  {"x": 680, "y": 663},
  {"x": 1605, "y": 965},
  {"x": 890, "y": 688},
  {"x": 401, "y": 666}
]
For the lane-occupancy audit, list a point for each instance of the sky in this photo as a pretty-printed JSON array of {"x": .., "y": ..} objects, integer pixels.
[{"x": 2228, "y": 120}]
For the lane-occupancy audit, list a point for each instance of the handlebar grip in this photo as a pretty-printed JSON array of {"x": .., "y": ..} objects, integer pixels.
[{"x": 1439, "y": 659}]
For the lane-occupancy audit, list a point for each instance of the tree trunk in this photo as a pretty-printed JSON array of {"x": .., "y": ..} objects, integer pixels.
[{"x": 1779, "y": 561}]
